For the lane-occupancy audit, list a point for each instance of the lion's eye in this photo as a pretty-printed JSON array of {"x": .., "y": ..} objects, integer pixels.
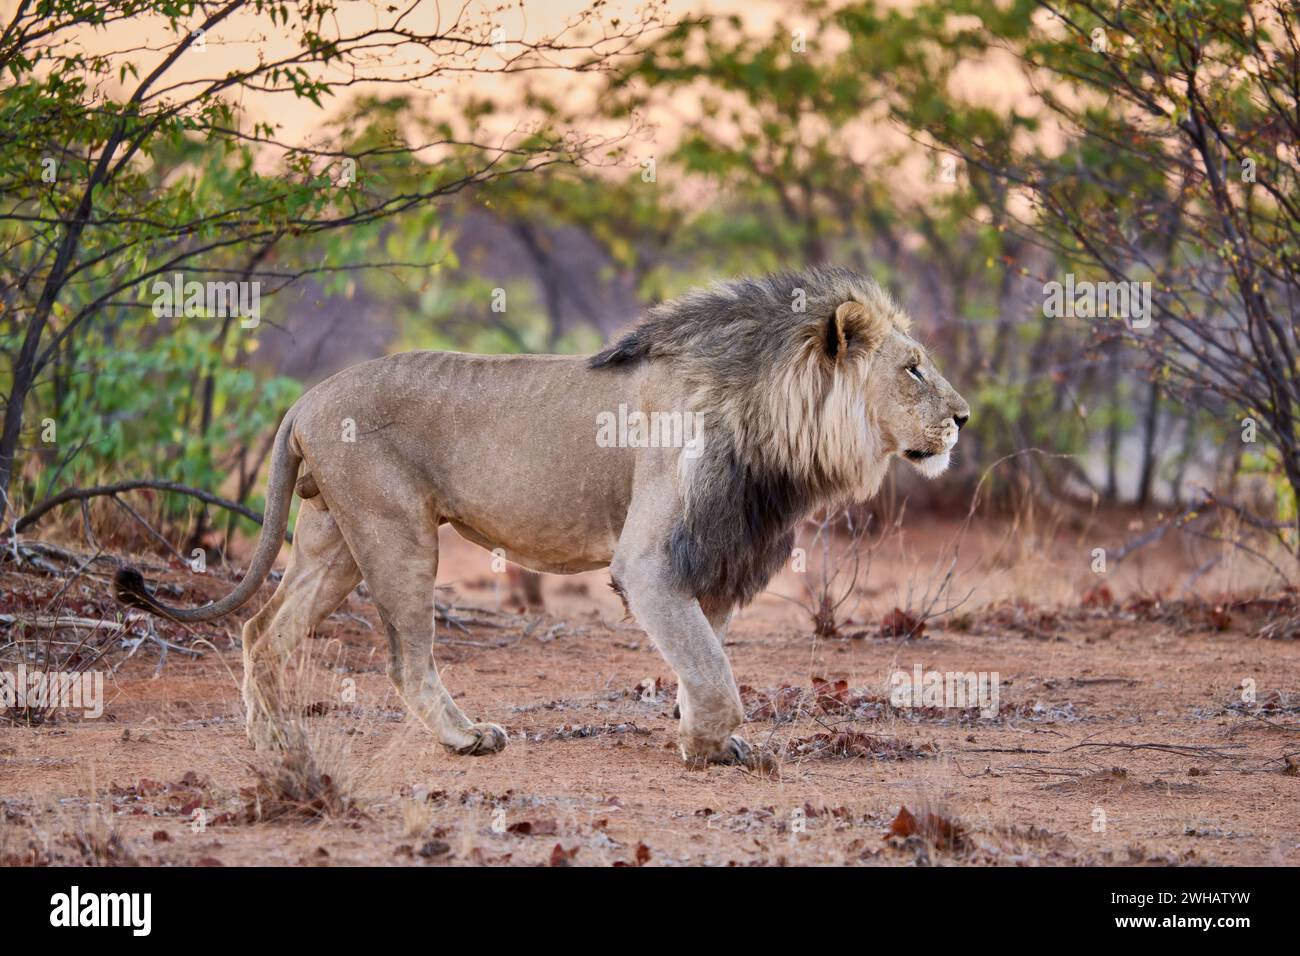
[{"x": 915, "y": 372}]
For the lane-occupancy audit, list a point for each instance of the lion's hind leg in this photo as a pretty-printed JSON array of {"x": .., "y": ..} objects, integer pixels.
[
  {"x": 320, "y": 576},
  {"x": 398, "y": 556}
]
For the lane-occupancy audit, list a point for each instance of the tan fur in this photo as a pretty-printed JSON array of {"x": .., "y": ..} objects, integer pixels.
[{"x": 503, "y": 448}]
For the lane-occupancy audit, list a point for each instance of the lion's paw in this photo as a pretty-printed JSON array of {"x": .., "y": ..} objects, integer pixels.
[
  {"x": 487, "y": 739},
  {"x": 734, "y": 751}
]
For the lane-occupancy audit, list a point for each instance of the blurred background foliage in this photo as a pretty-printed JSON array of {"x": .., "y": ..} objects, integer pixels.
[{"x": 962, "y": 153}]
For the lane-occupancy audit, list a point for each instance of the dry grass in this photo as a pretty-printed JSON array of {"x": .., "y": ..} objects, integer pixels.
[{"x": 292, "y": 784}]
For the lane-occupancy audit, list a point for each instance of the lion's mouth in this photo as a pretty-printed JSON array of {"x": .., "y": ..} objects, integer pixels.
[{"x": 913, "y": 454}]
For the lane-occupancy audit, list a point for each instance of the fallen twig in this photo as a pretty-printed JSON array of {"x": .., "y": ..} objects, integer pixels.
[
  {"x": 56, "y": 621},
  {"x": 1184, "y": 750},
  {"x": 81, "y": 494},
  {"x": 80, "y": 569},
  {"x": 153, "y": 532}
]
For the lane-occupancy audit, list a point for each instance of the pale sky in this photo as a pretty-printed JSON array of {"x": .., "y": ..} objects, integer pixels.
[{"x": 240, "y": 40}]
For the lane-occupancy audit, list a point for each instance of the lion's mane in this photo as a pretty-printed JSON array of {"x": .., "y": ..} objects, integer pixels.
[{"x": 774, "y": 373}]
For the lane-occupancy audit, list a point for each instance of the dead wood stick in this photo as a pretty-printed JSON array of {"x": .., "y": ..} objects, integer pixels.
[
  {"x": 1184, "y": 750},
  {"x": 86, "y": 529},
  {"x": 81, "y": 494},
  {"x": 81, "y": 568},
  {"x": 139, "y": 519},
  {"x": 56, "y": 621},
  {"x": 479, "y": 644}
]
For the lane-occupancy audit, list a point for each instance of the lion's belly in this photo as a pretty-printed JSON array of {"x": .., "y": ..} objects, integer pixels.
[{"x": 564, "y": 560}]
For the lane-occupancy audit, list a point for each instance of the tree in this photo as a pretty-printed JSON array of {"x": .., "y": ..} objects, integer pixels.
[
  {"x": 789, "y": 130},
  {"x": 86, "y": 223},
  {"x": 1179, "y": 169}
]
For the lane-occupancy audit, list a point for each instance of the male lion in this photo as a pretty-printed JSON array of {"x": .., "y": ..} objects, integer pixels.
[{"x": 807, "y": 384}]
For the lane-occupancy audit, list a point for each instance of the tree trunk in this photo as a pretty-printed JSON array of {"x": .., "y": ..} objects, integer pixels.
[
  {"x": 1113, "y": 432},
  {"x": 1149, "y": 445},
  {"x": 24, "y": 376}
]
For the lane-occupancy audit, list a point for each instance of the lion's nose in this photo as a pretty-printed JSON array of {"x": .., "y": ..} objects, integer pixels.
[{"x": 961, "y": 420}]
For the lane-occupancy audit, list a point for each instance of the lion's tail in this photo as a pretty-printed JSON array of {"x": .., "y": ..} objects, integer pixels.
[{"x": 128, "y": 583}]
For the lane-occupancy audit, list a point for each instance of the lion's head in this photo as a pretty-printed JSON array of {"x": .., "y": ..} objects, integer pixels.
[
  {"x": 809, "y": 384},
  {"x": 917, "y": 413}
]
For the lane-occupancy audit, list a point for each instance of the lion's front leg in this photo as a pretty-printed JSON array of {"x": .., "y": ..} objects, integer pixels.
[{"x": 708, "y": 698}]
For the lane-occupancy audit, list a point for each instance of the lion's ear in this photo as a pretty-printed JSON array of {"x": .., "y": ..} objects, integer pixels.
[{"x": 854, "y": 324}]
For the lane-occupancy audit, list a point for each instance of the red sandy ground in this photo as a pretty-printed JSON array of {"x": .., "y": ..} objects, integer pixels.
[{"x": 591, "y": 774}]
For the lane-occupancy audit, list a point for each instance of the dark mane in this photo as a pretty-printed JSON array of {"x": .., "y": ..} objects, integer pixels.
[
  {"x": 729, "y": 344},
  {"x": 740, "y": 533},
  {"x": 746, "y": 314}
]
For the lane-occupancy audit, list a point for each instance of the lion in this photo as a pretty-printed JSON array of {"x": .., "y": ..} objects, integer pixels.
[{"x": 803, "y": 386}]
